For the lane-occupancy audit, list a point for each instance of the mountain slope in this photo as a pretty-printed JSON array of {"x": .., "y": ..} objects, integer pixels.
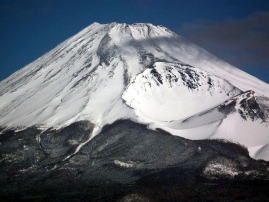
[
  {"x": 141, "y": 72},
  {"x": 169, "y": 91},
  {"x": 242, "y": 119},
  {"x": 119, "y": 160}
]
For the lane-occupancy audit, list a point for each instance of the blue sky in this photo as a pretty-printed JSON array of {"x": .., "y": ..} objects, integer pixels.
[{"x": 235, "y": 30}]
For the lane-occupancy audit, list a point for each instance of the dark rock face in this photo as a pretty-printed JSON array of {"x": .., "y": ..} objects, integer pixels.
[
  {"x": 126, "y": 160},
  {"x": 250, "y": 107},
  {"x": 63, "y": 142},
  {"x": 31, "y": 151}
]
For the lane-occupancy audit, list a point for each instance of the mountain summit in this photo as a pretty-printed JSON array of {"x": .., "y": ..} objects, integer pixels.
[{"x": 141, "y": 72}]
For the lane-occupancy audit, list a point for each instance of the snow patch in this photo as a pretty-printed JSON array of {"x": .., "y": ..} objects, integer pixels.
[
  {"x": 225, "y": 168},
  {"x": 129, "y": 164}
]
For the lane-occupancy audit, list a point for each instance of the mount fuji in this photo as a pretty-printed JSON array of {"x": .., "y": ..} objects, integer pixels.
[{"x": 74, "y": 103}]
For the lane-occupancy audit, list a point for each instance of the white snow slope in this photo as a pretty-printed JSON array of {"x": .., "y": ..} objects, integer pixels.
[{"x": 143, "y": 72}]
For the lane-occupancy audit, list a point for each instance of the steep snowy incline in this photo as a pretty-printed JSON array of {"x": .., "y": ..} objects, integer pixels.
[
  {"x": 172, "y": 91},
  {"x": 85, "y": 77},
  {"x": 242, "y": 119}
]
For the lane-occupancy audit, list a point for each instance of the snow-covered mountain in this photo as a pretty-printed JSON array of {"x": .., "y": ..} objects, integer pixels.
[{"x": 141, "y": 72}]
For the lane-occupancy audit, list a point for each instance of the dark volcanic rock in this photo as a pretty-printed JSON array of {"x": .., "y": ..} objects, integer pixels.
[
  {"x": 59, "y": 143},
  {"x": 125, "y": 158},
  {"x": 250, "y": 107}
]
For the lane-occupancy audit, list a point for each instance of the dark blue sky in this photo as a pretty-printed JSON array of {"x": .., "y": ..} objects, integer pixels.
[{"x": 235, "y": 30}]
